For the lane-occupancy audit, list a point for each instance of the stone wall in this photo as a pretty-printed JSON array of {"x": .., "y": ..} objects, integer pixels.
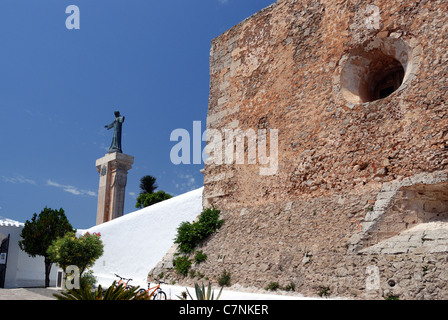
[
  {"x": 281, "y": 69},
  {"x": 320, "y": 73}
]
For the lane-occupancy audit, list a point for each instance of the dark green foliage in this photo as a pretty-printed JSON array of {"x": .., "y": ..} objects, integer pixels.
[
  {"x": 208, "y": 222},
  {"x": 224, "y": 280},
  {"x": 148, "y": 184},
  {"x": 390, "y": 296},
  {"x": 324, "y": 291},
  {"x": 182, "y": 265},
  {"x": 87, "y": 280},
  {"x": 272, "y": 286},
  {"x": 200, "y": 257},
  {"x": 148, "y": 196},
  {"x": 201, "y": 293},
  {"x": 187, "y": 237},
  {"x": 112, "y": 293},
  {"x": 291, "y": 287},
  {"x": 148, "y": 199},
  {"x": 190, "y": 234},
  {"x": 38, "y": 234}
]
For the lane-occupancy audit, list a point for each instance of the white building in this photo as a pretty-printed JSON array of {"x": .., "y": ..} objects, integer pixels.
[
  {"x": 17, "y": 268},
  {"x": 133, "y": 244},
  {"x": 136, "y": 242}
]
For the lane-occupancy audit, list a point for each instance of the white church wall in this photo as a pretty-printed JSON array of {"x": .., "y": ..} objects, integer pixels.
[
  {"x": 12, "y": 255},
  {"x": 31, "y": 271},
  {"x": 136, "y": 242},
  {"x": 22, "y": 271}
]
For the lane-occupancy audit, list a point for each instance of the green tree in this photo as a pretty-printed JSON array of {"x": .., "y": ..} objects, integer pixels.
[
  {"x": 38, "y": 234},
  {"x": 148, "y": 196},
  {"x": 148, "y": 199},
  {"x": 81, "y": 252},
  {"x": 148, "y": 184}
]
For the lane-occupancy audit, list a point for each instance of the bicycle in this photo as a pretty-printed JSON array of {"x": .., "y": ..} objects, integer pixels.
[
  {"x": 124, "y": 282},
  {"x": 157, "y": 293}
]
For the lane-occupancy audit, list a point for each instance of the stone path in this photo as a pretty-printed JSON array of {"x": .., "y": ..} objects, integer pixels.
[{"x": 28, "y": 294}]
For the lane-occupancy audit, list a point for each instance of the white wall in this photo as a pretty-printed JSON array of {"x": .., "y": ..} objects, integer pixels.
[
  {"x": 136, "y": 242},
  {"x": 13, "y": 254},
  {"x": 21, "y": 269}
]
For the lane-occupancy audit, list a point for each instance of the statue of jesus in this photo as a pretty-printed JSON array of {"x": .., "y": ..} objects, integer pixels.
[{"x": 116, "y": 140}]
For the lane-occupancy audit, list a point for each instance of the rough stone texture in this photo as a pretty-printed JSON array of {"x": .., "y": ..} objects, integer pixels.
[
  {"x": 402, "y": 204},
  {"x": 351, "y": 175}
]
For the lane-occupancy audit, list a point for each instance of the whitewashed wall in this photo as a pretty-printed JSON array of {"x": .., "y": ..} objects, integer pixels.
[
  {"x": 22, "y": 270},
  {"x": 136, "y": 242}
]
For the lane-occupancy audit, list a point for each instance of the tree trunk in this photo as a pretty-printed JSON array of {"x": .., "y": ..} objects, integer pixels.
[{"x": 47, "y": 272}]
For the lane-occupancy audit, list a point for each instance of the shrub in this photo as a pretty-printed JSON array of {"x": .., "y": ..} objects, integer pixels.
[
  {"x": 272, "y": 286},
  {"x": 182, "y": 265},
  {"x": 224, "y": 279},
  {"x": 200, "y": 257},
  {"x": 187, "y": 237},
  {"x": 209, "y": 222},
  {"x": 190, "y": 234},
  {"x": 114, "y": 292},
  {"x": 290, "y": 287},
  {"x": 390, "y": 296},
  {"x": 202, "y": 293},
  {"x": 87, "y": 280},
  {"x": 323, "y": 292},
  {"x": 81, "y": 252}
]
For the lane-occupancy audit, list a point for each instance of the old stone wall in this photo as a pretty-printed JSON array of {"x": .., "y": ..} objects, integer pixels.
[{"x": 322, "y": 73}]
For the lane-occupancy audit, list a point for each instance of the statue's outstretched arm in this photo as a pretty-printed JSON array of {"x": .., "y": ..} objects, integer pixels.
[{"x": 109, "y": 126}]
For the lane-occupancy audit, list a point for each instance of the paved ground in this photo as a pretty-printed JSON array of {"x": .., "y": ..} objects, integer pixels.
[
  {"x": 28, "y": 294},
  {"x": 171, "y": 291}
]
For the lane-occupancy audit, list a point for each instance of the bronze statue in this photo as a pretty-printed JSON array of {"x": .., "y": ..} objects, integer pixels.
[{"x": 116, "y": 139}]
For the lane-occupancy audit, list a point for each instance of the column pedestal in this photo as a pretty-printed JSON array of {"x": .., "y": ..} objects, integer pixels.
[{"x": 113, "y": 169}]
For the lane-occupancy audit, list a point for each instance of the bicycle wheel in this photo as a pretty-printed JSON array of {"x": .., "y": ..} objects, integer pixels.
[
  {"x": 160, "y": 295},
  {"x": 141, "y": 291}
]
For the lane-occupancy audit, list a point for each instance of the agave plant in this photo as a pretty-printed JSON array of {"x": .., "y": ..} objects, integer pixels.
[
  {"x": 114, "y": 292},
  {"x": 202, "y": 293}
]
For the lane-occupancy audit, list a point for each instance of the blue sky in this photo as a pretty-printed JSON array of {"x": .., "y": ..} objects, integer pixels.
[{"x": 59, "y": 87}]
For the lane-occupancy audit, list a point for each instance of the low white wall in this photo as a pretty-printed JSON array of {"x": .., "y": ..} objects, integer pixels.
[{"x": 136, "y": 242}]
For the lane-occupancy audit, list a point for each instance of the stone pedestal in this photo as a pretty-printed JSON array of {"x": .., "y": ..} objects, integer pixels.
[{"x": 113, "y": 169}]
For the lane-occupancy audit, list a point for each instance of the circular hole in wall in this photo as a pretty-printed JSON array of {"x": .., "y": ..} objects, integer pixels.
[
  {"x": 375, "y": 70},
  {"x": 391, "y": 283}
]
